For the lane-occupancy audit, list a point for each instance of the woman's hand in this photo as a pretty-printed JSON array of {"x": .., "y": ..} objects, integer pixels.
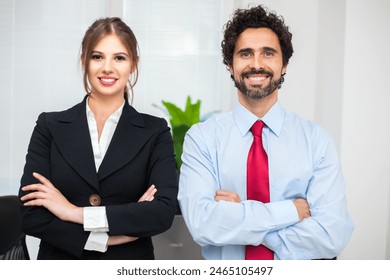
[
  {"x": 149, "y": 194},
  {"x": 121, "y": 239},
  {"x": 47, "y": 195}
]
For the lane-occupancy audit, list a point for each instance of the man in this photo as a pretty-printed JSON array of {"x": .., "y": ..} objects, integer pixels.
[{"x": 280, "y": 195}]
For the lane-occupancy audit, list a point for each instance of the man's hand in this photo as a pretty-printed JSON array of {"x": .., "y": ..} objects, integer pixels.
[
  {"x": 303, "y": 208},
  {"x": 226, "y": 196}
]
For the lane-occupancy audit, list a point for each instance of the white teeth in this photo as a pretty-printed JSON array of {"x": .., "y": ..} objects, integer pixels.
[
  {"x": 108, "y": 80},
  {"x": 257, "y": 78}
]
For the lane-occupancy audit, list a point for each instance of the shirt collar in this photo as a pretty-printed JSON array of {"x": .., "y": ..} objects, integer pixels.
[
  {"x": 114, "y": 116},
  {"x": 245, "y": 119}
]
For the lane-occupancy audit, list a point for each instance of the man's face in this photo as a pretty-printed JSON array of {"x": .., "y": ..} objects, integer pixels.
[{"x": 257, "y": 63}]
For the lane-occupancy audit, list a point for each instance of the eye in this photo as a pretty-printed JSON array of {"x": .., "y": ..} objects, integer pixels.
[
  {"x": 120, "y": 58},
  {"x": 268, "y": 54},
  {"x": 96, "y": 57},
  {"x": 245, "y": 54}
]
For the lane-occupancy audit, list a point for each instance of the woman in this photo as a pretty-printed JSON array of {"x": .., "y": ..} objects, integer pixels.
[{"x": 89, "y": 187}]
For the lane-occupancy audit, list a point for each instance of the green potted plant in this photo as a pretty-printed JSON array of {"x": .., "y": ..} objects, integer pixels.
[{"x": 181, "y": 121}]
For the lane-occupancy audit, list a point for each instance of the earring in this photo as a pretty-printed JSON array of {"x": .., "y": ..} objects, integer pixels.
[{"x": 281, "y": 80}]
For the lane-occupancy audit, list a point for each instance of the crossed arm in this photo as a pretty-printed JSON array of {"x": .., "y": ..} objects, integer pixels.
[
  {"x": 47, "y": 195},
  {"x": 301, "y": 204}
]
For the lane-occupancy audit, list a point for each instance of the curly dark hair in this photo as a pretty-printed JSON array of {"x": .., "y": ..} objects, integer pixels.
[{"x": 255, "y": 17}]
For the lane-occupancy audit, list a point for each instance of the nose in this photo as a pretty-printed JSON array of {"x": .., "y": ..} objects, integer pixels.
[
  {"x": 108, "y": 66},
  {"x": 257, "y": 62}
]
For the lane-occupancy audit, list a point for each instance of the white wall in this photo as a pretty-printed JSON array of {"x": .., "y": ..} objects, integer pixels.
[
  {"x": 330, "y": 66},
  {"x": 365, "y": 141}
]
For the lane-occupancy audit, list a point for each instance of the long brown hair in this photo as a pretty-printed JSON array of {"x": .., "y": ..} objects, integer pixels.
[{"x": 101, "y": 28}]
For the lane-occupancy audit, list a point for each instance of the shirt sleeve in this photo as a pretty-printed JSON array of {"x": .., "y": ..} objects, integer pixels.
[
  {"x": 97, "y": 241},
  {"x": 222, "y": 223},
  {"x": 327, "y": 231},
  {"x": 95, "y": 221}
]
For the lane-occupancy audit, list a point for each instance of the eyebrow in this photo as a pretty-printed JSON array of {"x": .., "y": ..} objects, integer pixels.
[
  {"x": 264, "y": 49},
  {"x": 269, "y": 49},
  {"x": 119, "y": 53},
  {"x": 245, "y": 50}
]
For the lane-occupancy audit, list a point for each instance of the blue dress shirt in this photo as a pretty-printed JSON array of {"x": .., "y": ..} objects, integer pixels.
[{"x": 303, "y": 163}]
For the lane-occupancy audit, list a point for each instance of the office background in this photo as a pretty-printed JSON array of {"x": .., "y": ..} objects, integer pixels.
[{"x": 338, "y": 77}]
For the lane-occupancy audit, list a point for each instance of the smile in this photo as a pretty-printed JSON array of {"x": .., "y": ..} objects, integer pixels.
[
  {"x": 257, "y": 78},
  {"x": 107, "y": 81}
]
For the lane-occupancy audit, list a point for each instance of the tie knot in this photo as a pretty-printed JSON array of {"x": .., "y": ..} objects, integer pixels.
[{"x": 257, "y": 127}]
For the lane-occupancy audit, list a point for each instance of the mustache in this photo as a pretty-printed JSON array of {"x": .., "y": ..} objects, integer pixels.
[{"x": 258, "y": 72}]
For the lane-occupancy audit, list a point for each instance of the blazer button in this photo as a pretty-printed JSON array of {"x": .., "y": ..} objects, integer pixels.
[{"x": 95, "y": 200}]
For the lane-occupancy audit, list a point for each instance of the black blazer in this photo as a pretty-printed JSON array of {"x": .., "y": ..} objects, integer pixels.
[{"x": 140, "y": 154}]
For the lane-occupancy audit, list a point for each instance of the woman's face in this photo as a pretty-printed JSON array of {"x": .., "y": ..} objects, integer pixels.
[{"x": 109, "y": 67}]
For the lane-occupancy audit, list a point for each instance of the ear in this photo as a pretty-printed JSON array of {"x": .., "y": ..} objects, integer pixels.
[
  {"x": 284, "y": 69},
  {"x": 82, "y": 63},
  {"x": 135, "y": 66},
  {"x": 230, "y": 68}
]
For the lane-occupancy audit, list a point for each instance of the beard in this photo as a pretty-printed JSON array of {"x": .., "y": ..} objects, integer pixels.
[{"x": 259, "y": 91}]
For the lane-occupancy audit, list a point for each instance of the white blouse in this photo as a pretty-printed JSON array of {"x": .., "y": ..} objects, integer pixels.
[{"x": 95, "y": 218}]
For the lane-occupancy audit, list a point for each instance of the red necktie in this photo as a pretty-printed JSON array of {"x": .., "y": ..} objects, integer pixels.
[{"x": 258, "y": 186}]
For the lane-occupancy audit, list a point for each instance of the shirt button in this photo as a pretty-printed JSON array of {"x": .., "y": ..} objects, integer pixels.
[{"x": 95, "y": 200}]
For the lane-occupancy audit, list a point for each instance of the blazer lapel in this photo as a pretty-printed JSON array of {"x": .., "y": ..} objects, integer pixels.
[
  {"x": 71, "y": 135},
  {"x": 129, "y": 137}
]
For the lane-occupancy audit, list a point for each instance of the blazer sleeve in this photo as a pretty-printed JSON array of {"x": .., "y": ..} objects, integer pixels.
[
  {"x": 143, "y": 219},
  {"x": 36, "y": 220}
]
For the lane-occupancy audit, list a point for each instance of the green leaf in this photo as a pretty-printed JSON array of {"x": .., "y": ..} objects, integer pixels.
[
  {"x": 181, "y": 121},
  {"x": 192, "y": 111},
  {"x": 178, "y": 134},
  {"x": 177, "y": 116}
]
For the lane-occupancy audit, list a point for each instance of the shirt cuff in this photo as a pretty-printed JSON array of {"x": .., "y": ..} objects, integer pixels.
[
  {"x": 284, "y": 213},
  {"x": 287, "y": 215},
  {"x": 97, "y": 241},
  {"x": 95, "y": 219}
]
